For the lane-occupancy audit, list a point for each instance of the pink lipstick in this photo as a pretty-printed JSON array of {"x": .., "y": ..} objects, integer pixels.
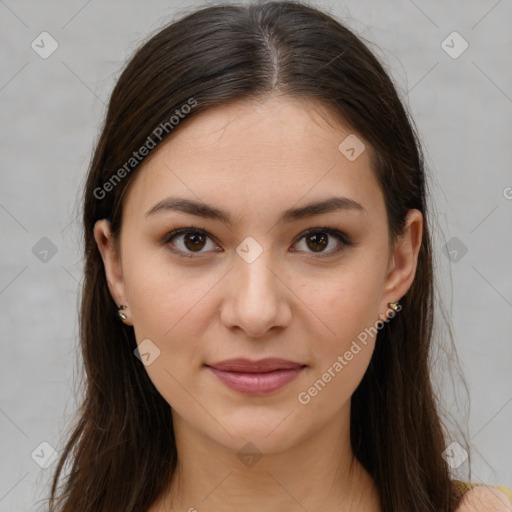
[{"x": 256, "y": 377}]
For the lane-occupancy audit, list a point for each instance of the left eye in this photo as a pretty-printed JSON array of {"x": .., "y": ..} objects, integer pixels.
[{"x": 317, "y": 239}]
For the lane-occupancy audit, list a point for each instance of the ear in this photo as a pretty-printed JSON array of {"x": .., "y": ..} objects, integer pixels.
[
  {"x": 404, "y": 260},
  {"x": 111, "y": 260}
]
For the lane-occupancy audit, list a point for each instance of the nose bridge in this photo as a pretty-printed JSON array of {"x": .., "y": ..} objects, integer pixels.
[
  {"x": 256, "y": 301},
  {"x": 253, "y": 269}
]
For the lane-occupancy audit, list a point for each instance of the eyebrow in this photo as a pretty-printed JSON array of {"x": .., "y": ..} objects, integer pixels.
[{"x": 332, "y": 204}]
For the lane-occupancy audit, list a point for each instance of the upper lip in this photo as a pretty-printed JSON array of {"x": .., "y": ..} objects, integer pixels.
[{"x": 249, "y": 366}]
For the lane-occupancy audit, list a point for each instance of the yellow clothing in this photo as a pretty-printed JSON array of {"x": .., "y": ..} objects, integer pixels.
[{"x": 467, "y": 486}]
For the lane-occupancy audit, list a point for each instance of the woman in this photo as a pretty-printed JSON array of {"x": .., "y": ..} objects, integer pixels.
[{"x": 258, "y": 302}]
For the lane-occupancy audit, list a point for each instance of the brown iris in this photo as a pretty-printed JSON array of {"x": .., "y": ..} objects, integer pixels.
[
  {"x": 320, "y": 241},
  {"x": 194, "y": 241}
]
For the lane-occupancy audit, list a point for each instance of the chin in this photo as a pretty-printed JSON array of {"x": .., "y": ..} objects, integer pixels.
[{"x": 268, "y": 435}]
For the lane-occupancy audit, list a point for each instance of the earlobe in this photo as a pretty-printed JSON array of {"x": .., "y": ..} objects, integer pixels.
[
  {"x": 111, "y": 260},
  {"x": 405, "y": 257}
]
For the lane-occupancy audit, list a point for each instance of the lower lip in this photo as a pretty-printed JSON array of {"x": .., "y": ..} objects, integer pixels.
[{"x": 257, "y": 383}]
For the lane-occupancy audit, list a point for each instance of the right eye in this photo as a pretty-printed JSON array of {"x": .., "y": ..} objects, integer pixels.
[{"x": 190, "y": 240}]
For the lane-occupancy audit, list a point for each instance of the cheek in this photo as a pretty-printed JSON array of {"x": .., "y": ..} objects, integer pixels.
[
  {"x": 163, "y": 296},
  {"x": 342, "y": 346},
  {"x": 345, "y": 304},
  {"x": 169, "y": 310}
]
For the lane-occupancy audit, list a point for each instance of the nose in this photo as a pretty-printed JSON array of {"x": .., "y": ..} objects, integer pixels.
[{"x": 257, "y": 298}]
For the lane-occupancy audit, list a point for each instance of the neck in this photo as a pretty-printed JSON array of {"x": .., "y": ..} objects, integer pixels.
[{"x": 318, "y": 473}]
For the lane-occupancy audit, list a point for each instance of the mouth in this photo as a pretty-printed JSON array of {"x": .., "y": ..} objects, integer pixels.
[{"x": 256, "y": 377}]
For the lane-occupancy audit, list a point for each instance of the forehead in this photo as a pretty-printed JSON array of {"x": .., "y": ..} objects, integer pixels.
[{"x": 258, "y": 156}]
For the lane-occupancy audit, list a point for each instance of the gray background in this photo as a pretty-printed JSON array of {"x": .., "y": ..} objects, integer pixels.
[{"x": 52, "y": 109}]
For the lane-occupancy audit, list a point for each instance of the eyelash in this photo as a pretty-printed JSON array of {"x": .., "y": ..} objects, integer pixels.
[{"x": 340, "y": 236}]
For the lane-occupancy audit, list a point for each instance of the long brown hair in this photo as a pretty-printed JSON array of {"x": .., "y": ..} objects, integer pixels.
[{"x": 121, "y": 448}]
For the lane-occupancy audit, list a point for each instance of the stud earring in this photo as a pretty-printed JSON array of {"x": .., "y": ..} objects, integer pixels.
[
  {"x": 121, "y": 315},
  {"x": 393, "y": 305}
]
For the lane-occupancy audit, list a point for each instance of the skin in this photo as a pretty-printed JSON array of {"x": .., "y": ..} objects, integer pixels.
[
  {"x": 254, "y": 160},
  {"x": 485, "y": 499}
]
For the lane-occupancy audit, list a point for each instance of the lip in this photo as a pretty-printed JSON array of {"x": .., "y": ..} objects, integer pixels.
[
  {"x": 241, "y": 364},
  {"x": 256, "y": 377}
]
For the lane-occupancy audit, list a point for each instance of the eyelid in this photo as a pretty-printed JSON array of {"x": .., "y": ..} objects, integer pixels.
[
  {"x": 342, "y": 237},
  {"x": 336, "y": 233}
]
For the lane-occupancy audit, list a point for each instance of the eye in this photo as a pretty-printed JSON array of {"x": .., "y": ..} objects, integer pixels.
[
  {"x": 190, "y": 239},
  {"x": 187, "y": 241},
  {"x": 318, "y": 239}
]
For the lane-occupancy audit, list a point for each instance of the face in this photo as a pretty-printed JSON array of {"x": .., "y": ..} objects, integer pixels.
[{"x": 257, "y": 276}]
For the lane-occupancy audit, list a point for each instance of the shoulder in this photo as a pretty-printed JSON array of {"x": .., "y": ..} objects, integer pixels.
[{"x": 483, "y": 498}]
